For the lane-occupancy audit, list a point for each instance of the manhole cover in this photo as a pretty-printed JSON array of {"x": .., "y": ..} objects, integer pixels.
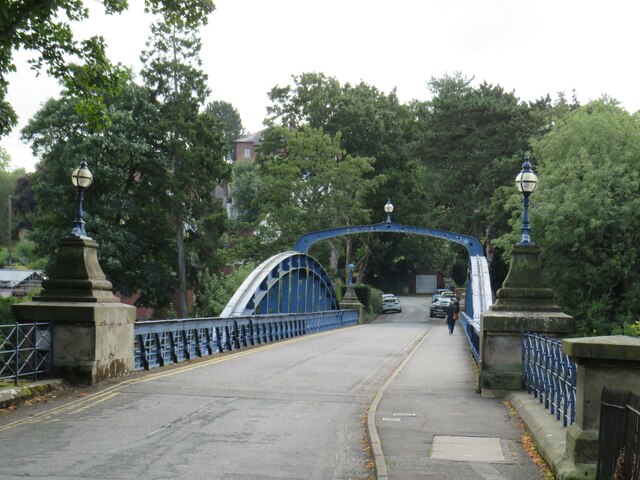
[{"x": 467, "y": 449}]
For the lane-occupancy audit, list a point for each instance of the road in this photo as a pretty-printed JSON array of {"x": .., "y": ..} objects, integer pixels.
[{"x": 291, "y": 410}]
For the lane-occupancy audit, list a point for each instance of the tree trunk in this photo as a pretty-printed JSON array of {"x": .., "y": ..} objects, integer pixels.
[
  {"x": 362, "y": 264},
  {"x": 182, "y": 270},
  {"x": 347, "y": 261},
  {"x": 333, "y": 259}
]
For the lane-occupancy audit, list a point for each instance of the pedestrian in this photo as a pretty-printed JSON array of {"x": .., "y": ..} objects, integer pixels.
[{"x": 452, "y": 315}]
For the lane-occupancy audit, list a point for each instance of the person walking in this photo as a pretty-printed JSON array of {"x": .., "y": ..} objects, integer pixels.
[{"x": 452, "y": 315}]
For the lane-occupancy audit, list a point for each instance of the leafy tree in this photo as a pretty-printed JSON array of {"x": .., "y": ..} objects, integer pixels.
[
  {"x": 44, "y": 28},
  {"x": 231, "y": 123},
  {"x": 245, "y": 190},
  {"x": 8, "y": 181},
  {"x": 468, "y": 139},
  {"x": 310, "y": 183},
  {"x": 23, "y": 202},
  {"x": 585, "y": 215},
  {"x": 190, "y": 140},
  {"x": 124, "y": 207},
  {"x": 371, "y": 124},
  {"x": 218, "y": 288}
]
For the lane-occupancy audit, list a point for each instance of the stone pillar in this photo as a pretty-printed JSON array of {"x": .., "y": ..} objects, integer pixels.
[
  {"x": 92, "y": 330},
  {"x": 612, "y": 362},
  {"x": 350, "y": 302},
  {"x": 524, "y": 303}
]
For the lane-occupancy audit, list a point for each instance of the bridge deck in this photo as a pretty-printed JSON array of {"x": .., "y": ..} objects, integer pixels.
[{"x": 287, "y": 410}]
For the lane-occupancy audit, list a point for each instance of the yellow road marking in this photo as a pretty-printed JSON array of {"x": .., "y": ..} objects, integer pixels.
[
  {"x": 103, "y": 399},
  {"x": 109, "y": 392}
]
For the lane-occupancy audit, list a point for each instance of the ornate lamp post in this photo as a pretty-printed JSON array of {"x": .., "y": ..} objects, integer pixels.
[
  {"x": 388, "y": 208},
  {"x": 81, "y": 179},
  {"x": 350, "y": 294},
  {"x": 526, "y": 182},
  {"x": 92, "y": 330}
]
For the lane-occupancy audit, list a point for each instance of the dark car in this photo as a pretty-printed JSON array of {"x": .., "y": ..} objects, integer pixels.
[{"x": 439, "y": 306}]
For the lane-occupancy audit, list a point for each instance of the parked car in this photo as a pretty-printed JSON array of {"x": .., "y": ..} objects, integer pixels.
[
  {"x": 439, "y": 306},
  {"x": 440, "y": 292},
  {"x": 391, "y": 304}
]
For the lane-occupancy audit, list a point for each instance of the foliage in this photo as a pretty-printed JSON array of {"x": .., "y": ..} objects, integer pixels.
[
  {"x": 370, "y": 124},
  {"x": 216, "y": 289},
  {"x": 309, "y": 183},
  {"x": 468, "y": 138},
  {"x": 23, "y": 202},
  {"x": 231, "y": 122},
  {"x": 24, "y": 254},
  {"x": 245, "y": 190},
  {"x": 128, "y": 206},
  {"x": 369, "y": 297},
  {"x": 44, "y": 28},
  {"x": 8, "y": 181},
  {"x": 584, "y": 215},
  {"x": 6, "y": 314},
  {"x": 190, "y": 141}
]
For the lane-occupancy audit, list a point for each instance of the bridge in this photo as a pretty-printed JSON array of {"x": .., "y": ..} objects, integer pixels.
[
  {"x": 229, "y": 405},
  {"x": 295, "y": 282},
  {"x": 295, "y": 408}
]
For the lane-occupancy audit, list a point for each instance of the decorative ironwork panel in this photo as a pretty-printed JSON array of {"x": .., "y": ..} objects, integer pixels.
[
  {"x": 26, "y": 351},
  {"x": 161, "y": 342},
  {"x": 550, "y": 375}
]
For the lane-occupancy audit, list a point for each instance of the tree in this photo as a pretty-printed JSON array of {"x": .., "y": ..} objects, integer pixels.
[
  {"x": 124, "y": 207},
  {"x": 245, "y": 190},
  {"x": 82, "y": 67},
  {"x": 8, "y": 181},
  {"x": 231, "y": 123},
  {"x": 371, "y": 124},
  {"x": 191, "y": 140},
  {"x": 310, "y": 183},
  {"x": 584, "y": 215}
]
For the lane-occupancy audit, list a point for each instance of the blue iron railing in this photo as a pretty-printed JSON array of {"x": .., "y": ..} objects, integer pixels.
[
  {"x": 550, "y": 375},
  {"x": 471, "y": 329},
  {"x": 162, "y": 342},
  {"x": 25, "y": 351}
]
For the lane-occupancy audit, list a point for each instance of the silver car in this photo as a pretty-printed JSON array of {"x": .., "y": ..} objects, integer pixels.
[{"x": 391, "y": 304}]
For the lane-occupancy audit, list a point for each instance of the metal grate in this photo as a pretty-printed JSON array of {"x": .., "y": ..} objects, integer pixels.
[
  {"x": 550, "y": 375},
  {"x": 25, "y": 351}
]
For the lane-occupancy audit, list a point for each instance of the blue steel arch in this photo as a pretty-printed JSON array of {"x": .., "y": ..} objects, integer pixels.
[
  {"x": 478, "y": 297},
  {"x": 471, "y": 244},
  {"x": 289, "y": 282}
]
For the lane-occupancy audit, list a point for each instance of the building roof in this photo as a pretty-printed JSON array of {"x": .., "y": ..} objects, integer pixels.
[
  {"x": 252, "y": 138},
  {"x": 11, "y": 278}
]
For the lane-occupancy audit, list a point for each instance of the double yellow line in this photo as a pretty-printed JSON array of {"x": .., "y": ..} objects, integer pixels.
[{"x": 81, "y": 404}]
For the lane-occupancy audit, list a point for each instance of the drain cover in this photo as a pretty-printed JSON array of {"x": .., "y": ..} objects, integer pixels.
[{"x": 467, "y": 449}]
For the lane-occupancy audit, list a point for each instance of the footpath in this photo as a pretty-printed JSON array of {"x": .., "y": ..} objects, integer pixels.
[{"x": 430, "y": 422}]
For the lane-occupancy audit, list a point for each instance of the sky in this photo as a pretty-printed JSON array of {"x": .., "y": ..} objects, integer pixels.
[{"x": 249, "y": 46}]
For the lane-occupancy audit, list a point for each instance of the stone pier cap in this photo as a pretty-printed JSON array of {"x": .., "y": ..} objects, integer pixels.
[{"x": 612, "y": 348}]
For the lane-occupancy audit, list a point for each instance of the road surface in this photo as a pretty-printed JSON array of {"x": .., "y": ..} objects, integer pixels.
[{"x": 290, "y": 410}]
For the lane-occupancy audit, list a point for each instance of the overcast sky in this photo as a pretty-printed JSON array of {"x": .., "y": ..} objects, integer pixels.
[{"x": 249, "y": 46}]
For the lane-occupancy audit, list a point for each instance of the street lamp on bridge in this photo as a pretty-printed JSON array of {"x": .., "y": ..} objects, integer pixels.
[
  {"x": 526, "y": 182},
  {"x": 81, "y": 179},
  {"x": 388, "y": 208},
  {"x": 351, "y": 267}
]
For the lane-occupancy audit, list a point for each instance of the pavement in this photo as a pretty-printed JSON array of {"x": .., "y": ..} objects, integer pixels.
[
  {"x": 429, "y": 422},
  {"x": 14, "y": 394}
]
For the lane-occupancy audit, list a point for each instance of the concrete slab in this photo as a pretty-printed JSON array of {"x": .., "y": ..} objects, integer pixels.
[{"x": 467, "y": 449}]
